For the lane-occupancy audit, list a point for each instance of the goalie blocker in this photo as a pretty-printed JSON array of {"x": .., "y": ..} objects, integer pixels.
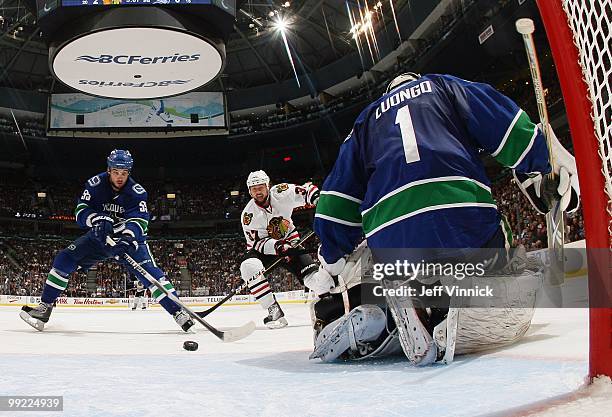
[{"x": 349, "y": 326}]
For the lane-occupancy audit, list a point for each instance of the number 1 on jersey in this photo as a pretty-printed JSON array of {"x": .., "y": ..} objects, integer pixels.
[{"x": 404, "y": 120}]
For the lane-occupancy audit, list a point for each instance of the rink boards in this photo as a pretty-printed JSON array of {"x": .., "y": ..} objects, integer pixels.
[{"x": 288, "y": 297}]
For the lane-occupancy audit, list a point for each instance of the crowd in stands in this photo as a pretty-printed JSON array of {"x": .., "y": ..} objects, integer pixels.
[
  {"x": 27, "y": 127},
  {"x": 527, "y": 225},
  {"x": 212, "y": 265},
  {"x": 26, "y": 263},
  {"x": 196, "y": 199}
]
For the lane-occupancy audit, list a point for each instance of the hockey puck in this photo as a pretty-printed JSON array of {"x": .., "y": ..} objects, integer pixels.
[{"x": 190, "y": 345}]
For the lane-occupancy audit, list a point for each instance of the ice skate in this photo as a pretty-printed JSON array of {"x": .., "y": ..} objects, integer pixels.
[
  {"x": 183, "y": 320},
  {"x": 276, "y": 318},
  {"x": 36, "y": 316}
]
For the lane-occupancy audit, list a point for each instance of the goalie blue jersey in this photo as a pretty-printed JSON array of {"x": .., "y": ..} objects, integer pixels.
[
  {"x": 128, "y": 207},
  {"x": 409, "y": 175}
]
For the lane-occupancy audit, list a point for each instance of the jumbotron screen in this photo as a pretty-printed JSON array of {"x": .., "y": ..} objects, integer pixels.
[{"x": 227, "y": 5}]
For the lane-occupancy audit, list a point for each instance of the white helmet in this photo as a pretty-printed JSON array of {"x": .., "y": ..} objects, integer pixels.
[
  {"x": 257, "y": 178},
  {"x": 402, "y": 79}
]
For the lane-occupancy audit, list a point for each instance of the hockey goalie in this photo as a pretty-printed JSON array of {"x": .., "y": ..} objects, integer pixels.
[
  {"x": 409, "y": 176},
  {"x": 352, "y": 324}
]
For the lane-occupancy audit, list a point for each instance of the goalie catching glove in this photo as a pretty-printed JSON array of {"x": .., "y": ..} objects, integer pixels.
[{"x": 541, "y": 192}]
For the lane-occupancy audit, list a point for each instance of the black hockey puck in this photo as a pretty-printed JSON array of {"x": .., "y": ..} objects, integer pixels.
[{"x": 190, "y": 345}]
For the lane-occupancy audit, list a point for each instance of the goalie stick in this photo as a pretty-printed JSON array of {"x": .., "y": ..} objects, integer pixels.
[
  {"x": 244, "y": 285},
  {"x": 555, "y": 226},
  {"x": 230, "y": 335}
]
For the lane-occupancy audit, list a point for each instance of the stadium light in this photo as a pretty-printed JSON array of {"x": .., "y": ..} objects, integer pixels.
[{"x": 280, "y": 25}]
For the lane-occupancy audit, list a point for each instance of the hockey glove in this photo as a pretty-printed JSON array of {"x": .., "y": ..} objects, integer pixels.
[
  {"x": 335, "y": 268},
  {"x": 126, "y": 245},
  {"x": 102, "y": 226},
  {"x": 312, "y": 193},
  {"x": 283, "y": 247},
  {"x": 542, "y": 192},
  {"x": 320, "y": 282}
]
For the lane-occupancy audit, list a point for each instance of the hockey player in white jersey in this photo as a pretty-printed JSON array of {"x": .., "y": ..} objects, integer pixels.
[
  {"x": 410, "y": 176},
  {"x": 270, "y": 233}
]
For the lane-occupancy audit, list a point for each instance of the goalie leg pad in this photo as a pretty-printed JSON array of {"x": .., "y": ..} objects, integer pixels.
[
  {"x": 482, "y": 327},
  {"x": 417, "y": 343},
  {"x": 363, "y": 324}
]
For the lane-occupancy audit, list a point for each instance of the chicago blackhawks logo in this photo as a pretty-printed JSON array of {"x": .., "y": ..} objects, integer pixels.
[
  {"x": 282, "y": 187},
  {"x": 246, "y": 218},
  {"x": 278, "y": 227}
]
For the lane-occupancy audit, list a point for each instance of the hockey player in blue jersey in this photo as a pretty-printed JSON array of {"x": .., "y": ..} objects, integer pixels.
[
  {"x": 112, "y": 205},
  {"x": 409, "y": 175}
]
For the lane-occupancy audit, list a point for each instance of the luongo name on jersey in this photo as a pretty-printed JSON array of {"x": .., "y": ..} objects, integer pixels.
[
  {"x": 264, "y": 226},
  {"x": 409, "y": 175},
  {"x": 127, "y": 207}
]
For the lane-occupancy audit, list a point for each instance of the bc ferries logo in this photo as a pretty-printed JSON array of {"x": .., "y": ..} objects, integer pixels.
[
  {"x": 137, "y": 59},
  {"x": 105, "y": 83}
]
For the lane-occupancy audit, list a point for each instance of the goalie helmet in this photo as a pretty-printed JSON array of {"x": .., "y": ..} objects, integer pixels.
[
  {"x": 120, "y": 159},
  {"x": 401, "y": 79},
  {"x": 257, "y": 178}
]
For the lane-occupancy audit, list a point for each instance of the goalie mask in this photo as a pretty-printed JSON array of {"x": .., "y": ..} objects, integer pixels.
[{"x": 402, "y": 79}]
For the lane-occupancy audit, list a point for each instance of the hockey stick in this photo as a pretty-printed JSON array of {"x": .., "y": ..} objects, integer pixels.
[
  {"x": 230, "y": 335},
  {"x": 244, "y": 285},
  {"x": 555, "y": 226}
]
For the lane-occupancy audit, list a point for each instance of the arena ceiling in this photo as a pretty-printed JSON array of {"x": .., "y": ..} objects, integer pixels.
[{"x": 318, "y": 33}]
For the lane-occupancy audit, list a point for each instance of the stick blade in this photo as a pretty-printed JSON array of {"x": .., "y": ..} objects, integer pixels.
[{"x": 238, "y": 333}]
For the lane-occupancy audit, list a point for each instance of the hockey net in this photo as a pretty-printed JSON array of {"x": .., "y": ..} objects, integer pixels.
[
  {"x": 580, "y": 40},
  {"x": 590, "y": 22}
]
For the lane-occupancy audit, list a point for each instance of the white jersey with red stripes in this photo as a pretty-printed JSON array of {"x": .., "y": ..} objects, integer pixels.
[{"x": 264, "y": 226}]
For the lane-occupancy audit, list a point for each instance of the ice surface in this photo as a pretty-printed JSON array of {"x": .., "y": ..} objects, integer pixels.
[{"x": 131, "y": 363}]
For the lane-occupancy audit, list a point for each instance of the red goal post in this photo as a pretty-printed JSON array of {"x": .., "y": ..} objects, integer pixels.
[{"x": 579, "y": 35}]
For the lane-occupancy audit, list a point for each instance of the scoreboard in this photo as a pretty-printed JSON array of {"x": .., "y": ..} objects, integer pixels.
[
  {"x": 46, "y": 6},
  {"x": 136, "y": 49},
  {"x": 229, "y": 5},
  {"x": 139, "y": 2}
]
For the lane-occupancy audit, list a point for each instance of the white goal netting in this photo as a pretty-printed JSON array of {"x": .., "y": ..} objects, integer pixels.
[{"x": 590, "y": 22}]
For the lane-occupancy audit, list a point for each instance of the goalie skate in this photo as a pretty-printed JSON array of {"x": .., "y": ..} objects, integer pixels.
[
  {"x": 445, "y": 335},
  {"x": 363, "y": 324},
  {"x": 417, "y": 343}
]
